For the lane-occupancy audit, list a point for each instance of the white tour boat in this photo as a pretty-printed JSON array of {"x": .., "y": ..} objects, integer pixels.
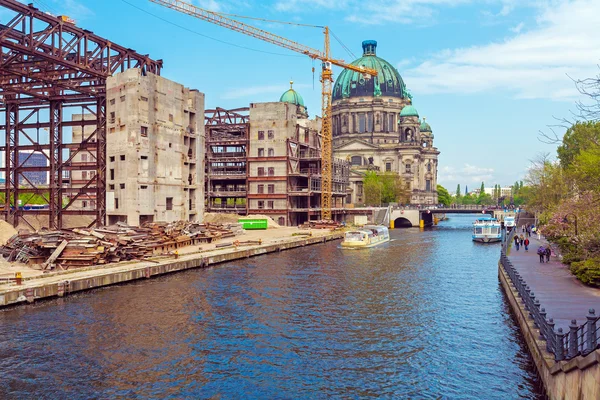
[
  {"x": 367, "y": 236},
  {"x": 509, "y": 223},
  {"x": 487, "y": 230}
]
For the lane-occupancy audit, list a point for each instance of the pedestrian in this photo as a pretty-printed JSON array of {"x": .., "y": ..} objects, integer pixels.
[
  {"x": 521, "y": 239},
  {"x": 541, "y": 252},
  {"x": 523, "y": 228},
  {"x": 548, "y": 252},
  {"x": 516, "y": 238},
  {"x": 528, "y": 231},
  {"x": 526, "y": 243}
]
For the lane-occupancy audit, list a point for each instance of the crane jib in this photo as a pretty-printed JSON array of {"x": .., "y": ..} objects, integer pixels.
[{"x": 326, "y": 80}]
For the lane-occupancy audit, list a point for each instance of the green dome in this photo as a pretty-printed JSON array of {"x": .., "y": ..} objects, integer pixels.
[
  {"x": 291, "y": 96},
  {"x": 388, "y": 81},
  {"x": 425, "y": 127},
  {"x": 409, "y": 111}
]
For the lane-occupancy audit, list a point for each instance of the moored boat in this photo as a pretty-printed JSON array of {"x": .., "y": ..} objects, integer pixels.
[
  {"x": 367, "y": 236},
  {"x": 487, "y": 230}
]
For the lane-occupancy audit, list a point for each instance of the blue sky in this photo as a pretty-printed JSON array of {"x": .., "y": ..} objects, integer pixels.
[{"x": 487, "y": 74}]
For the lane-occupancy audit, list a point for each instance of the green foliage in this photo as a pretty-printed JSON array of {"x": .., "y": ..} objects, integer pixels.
[
  {"x": 457, "y": 191},
  {"x": 443, "y": 196},
  {"x": 587, "y": 271},
  {"x": 577, "y": 138},
  {"x": 386, "y": 187},
  {"x": 584, "y": 169}
]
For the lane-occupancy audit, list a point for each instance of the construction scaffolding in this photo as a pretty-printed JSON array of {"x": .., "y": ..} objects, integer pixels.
[{"x": 51, "y": 70}]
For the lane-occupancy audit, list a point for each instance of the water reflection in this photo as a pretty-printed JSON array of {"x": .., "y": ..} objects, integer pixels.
[{"x": 420, "y": 317}]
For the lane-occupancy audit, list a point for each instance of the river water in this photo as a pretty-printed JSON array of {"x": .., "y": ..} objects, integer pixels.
[{"x": 421, "y": 317}]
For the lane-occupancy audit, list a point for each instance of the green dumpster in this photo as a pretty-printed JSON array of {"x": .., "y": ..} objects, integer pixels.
[{"x": 253, "y": 223}]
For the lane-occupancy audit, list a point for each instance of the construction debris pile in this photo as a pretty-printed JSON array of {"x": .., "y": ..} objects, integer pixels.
[
  {"x": 85, "y": 247},
  {"x": 321, "y": 224}
]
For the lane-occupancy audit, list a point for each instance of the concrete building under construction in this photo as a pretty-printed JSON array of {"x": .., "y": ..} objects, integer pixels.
[
  {"x": 155, "y": 150},
  {"x": 266, "y": 159}
]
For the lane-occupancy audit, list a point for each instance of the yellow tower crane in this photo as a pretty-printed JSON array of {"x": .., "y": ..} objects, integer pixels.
[{"x": 326, "y": 79}]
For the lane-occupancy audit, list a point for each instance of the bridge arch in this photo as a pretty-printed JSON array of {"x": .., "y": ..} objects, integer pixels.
[{"x": 402, "y": 222}]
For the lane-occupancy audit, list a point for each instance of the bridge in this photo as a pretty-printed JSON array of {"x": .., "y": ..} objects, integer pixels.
[{"x": 407, "y": 217}]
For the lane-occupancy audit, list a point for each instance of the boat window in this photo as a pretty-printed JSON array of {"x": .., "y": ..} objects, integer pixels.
[
  {"x": 354, "y": 236},
  {"x": 478, "y": 230}
]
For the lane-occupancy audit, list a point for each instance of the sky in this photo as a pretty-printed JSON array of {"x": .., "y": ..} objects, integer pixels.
[{"x": 489, "y": 75}]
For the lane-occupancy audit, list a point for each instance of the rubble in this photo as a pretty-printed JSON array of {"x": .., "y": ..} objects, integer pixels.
[
  {"x": 81, "y": 247},
  {"x": 321, "y": 224}
]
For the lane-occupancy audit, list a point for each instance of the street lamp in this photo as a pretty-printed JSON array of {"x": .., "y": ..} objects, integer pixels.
[{"x": 565, "y": 220}]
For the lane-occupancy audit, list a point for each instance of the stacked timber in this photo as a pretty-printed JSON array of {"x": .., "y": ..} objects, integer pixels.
[
  {"x": 321, "y": 224},
  {"x": 81, "y": 247}
]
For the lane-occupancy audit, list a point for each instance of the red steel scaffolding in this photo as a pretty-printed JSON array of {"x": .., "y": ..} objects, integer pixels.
[{"x": 50, "y": 70}]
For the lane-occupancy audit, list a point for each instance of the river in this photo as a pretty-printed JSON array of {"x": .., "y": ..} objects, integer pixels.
[{"x": 421, "y": 317}]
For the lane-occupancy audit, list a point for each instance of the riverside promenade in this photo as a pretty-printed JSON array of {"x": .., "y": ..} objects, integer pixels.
[
  {"x": 562, "y": 295},
  {"x": 558, "y": 318}
]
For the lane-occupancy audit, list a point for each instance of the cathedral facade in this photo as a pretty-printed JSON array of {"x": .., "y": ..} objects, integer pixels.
[{"x": 376, "y": 127}]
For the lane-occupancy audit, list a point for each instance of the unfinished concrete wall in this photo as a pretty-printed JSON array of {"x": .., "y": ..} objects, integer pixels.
[{"x": 155, "y": 156}]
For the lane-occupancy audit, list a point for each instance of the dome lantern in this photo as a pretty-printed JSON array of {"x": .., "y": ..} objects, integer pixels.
[{"x": 291, "y": 96}]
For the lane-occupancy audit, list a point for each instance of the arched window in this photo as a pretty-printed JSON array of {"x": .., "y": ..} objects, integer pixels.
[
  {"x": 281, "y": 221},
  {"x": 356, "y": 160},
  {"x": 407, "y": 168},
  {"x": 429, "y": 167}
]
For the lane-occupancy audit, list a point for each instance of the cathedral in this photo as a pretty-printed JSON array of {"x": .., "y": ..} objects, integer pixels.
[{"x": 376, "y": 127}]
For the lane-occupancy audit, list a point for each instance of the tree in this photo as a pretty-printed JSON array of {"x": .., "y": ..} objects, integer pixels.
[
  {"x": 443, "y": 196},
  {"x": 372, "y": 188},
  {"x": 482, "y": 188},
  {"x": 578, "y": 137},
  {"x": 584, "y": 169},
  {"x": 457, "y": 194},
  {"x": 384, "y": 188}
]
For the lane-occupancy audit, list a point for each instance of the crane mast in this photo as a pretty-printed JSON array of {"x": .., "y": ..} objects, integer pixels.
[{"x": 326, "y": 80}]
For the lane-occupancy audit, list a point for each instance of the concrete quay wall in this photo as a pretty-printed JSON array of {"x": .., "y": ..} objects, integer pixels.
[
  {"x": 578, "y": 378},
  {"x": 64, "y": 283}
]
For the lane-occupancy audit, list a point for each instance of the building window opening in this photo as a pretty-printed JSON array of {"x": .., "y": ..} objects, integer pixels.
[
  {"x": 408, "y": 168},
  {"x": 362, "y": 123},
  {"x": 144, "y": 131},
  {"x": 271, "y": 171},
  {"x": 388, "y": 166},
  {"x": 112, "y": 174},
  {"x": 428, "y": 185},
  {"x": 271, "y": 134},
  {"x": 169, "y": 203},
  {"x": 116, "y": 203},
  {"x": 261, "y": 152},
  {"x": 261, "y": 171},
  {"x": 261, "y": 135},
  {"x": 271, "y": 189},
  {"x": 270, "y": 204},
  {"x": 356, "y": 160},
  {"x": 261, "y": 189},
  {"x": 261, "y": 204},
  {"x": 271, "y": 153},
  {"x": 122, "y": 157}
]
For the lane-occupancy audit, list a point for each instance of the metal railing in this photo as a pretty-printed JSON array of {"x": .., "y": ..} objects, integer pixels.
[{"x": 579, "y": 340}]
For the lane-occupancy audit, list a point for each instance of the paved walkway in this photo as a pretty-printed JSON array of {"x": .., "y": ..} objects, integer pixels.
[{"x": 559, "y": 292}]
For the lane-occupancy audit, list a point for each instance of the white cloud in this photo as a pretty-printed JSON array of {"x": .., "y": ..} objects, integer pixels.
[
  {"x": 468, "y": 174},
  {"x": 253, "y": 91},
  {"x": 211, "y": 5},
  {"x": 533, "y": 64}
]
